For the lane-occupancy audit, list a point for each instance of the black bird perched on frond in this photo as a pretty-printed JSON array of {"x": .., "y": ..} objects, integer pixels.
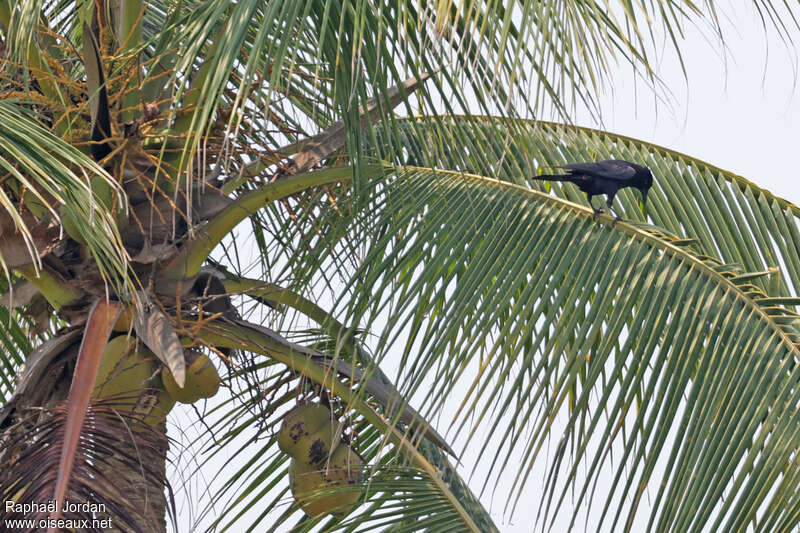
[{"x": 605, "y": 177}]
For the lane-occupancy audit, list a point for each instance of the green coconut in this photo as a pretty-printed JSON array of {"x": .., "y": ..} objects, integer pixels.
[
  {"x": 202, "y": 380},
  {"x": 123, "y": 371},
  {"x": 309, "y": 433},
  {"x": 308, "y": 483}
]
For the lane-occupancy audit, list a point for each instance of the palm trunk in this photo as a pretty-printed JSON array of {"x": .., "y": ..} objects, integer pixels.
[
  {"x": 120, "y": 463},
  {"x": 145, "y": 494}
]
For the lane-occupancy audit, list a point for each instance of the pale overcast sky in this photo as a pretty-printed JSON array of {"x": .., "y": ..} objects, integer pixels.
[{"x": 739, "y": 113}]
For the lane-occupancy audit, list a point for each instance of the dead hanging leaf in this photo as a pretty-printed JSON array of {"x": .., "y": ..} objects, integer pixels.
[
  {"x": 154, "y": 329},
  {"x": 95, "y": 337},
  {"x": 18, "y": 248}
]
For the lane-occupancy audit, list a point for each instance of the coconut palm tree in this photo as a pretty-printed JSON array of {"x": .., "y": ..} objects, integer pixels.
[{"x": 650, "y": 359}]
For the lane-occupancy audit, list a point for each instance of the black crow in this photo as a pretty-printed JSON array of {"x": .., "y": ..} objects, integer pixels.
[{"x": 605, "y": 177}]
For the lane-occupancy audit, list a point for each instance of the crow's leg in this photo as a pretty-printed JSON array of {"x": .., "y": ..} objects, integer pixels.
[
  {"x": 596, "y": 211},
  {"x": 610, "y": 204}
]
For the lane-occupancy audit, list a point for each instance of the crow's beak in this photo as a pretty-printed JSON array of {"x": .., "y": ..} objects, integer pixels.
[{"x": 643, "y": 204}]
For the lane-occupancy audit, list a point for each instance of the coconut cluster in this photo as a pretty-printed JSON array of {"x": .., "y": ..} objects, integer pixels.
[
  {"x": 126, "y": 373},
  {"x": 127, "y": 370},
  {"x": 320, "y": 461}
]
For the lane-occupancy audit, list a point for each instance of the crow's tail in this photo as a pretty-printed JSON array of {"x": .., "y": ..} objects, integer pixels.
[{"x": 555, "y": 177}]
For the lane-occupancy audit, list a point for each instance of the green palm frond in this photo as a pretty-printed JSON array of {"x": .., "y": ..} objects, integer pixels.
[
  {"x": 239, "y": 421},
  {"x": 16, "y": 344},
  {"x": 48, "y": 173},
  {"x": 551, "y": 309},
  {"x": 13, "y": 354},
  {"x": 731, "y": 218},
  {"x": 532, "y": 55},
  {"x": 282, "y": 71}
]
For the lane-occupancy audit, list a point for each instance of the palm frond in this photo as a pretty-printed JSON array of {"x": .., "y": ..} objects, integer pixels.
[
  {"x": 50, "y": 174},
  {"x": 15, "y": 347},
  {"x": 15, "y": 338},
  {"x": 283, "y": 71},
  {"x": 731, "y": 217},
  {"x": 252, "y": 338},
  {"x": 546, "y": 309},
  {"x": 17, "y": 331}
]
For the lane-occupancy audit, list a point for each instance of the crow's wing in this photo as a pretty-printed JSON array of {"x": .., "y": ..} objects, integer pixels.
[{"x": 613, "y": 169}]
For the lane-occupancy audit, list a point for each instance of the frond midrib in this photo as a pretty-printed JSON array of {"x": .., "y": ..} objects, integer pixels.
[
  {"x": 668, "y": 248},
  {"x": 728, "y": 176}
]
